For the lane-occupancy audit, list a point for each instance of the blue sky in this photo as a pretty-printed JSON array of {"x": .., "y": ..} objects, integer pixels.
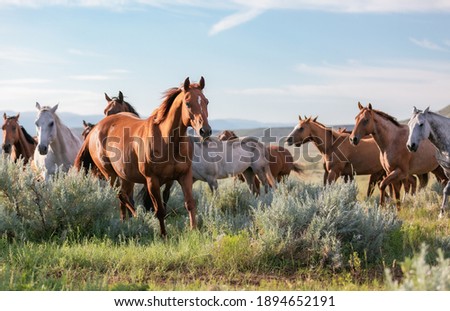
[{"x": 263, "y": 60}]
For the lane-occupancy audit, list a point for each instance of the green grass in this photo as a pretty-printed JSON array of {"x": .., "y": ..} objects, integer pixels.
[{"x": 299, "y": 237}]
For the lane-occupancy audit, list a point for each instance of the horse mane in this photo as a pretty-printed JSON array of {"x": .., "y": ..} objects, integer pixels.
[
  {"x": 160, "y": 113},
  {"x": 28, "y": 137},
  {"x": 129, "y": 106},
  {"x": 387, "y": 116}
]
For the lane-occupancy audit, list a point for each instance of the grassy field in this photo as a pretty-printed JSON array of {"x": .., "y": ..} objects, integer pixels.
[{"x": 67, "y": 236}]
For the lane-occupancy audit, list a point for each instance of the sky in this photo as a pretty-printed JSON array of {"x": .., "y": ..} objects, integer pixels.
[{"x": 263, "y": 60}]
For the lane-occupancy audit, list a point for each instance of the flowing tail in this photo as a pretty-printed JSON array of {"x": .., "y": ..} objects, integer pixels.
[
  {"x": 297, "y": 168},
  {"x": 84, "y": 160}
]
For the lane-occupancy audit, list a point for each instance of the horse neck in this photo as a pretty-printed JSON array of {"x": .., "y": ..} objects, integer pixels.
[
  {"x": 63, "y": 137},
  {"x": 383, "y": 131},
  {"x": 23, "y": 147},
  {"x": 172, "y": 126},
  {"x": 322, "y": 138},
  {"x": 440, "y": 127}
]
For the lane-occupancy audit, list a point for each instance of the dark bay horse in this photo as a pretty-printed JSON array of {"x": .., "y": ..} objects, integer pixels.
[
  {"x": 87, "y": 128},
  {"x": 16, "y": 140},
  {"x": 118, "y": 104},
  {"x": 152, "y": 151},
  {"x": 391, "y": 137}
]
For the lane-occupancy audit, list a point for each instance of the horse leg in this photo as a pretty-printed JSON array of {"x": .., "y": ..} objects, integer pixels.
[
  {"x": 186, "y": 182},
  {"x": 333, "y": 175},
  {"x": 445, "y": 194},
  {"x": 166, "y": 192},
  {"x": 213, "y": 184},
  {"x": 154, "y": 190},
  {"x": 126, "y": 189},
  {"x": 397, "y": 187},
  {"x": 249, "y": 177},
  {"x": 373, "y": 180},
  {"x": 391, "y": 177}
]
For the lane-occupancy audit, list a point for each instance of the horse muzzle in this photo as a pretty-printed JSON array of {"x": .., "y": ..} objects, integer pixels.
[
  {"x": 7, "y": 148},
  {"x": 412, "y": 147},
  {"x": 290, "y": 141},
  {"x": 43, "y": 150},
  {"x": 205, "y": 131},
  {"x": 354, "y": 140}
]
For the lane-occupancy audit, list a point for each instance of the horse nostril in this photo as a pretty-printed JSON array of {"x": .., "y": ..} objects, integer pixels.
[
  {"x": 43, "y": 149},
  {"x": 7, "y": 148},
  {"x": 290, "y": 140},
  {"x": 205, "y": 132}
]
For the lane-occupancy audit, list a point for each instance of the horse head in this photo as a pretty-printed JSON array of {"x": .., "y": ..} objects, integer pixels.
[
  {"x": 227, "y": 135},
  {"x": 46, "y": 127},
  {"x": 10, "y": 129},
  {"x": 195, "y": 108},
  {"x": 118, "y": 104},
  {"x": 301, "y": 133},
  {"x": 419, "y": 129},
  {"x": 364, "y": 124},
  {"x": 87, "y": 128}
]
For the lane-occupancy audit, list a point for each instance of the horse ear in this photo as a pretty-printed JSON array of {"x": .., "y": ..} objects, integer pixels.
[
  {"x": 369, "y": 106},
  {"x": 299, "y": 117},
  {"x": 186, "y": 84},
  {"x": 120, "y": 96},
  {"x": 53, "y": 110},
  {"x": 315, "y": 119},
  {"x": 427, "y": 110},
  {"x": 415, "y": 110},
  {"x": 17, "y": 116},
  {"x": 107, "y": 97},
  {"x": 38, "y": 107},
  {"x": 360, "y": 106},
  {"x": 202, "y": 83},
  {"x": 4, "y": 116},
  {"x": 84, "y": 123}
]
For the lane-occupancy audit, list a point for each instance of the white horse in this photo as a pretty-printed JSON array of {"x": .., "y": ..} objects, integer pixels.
[
  {"x": 57, "y": 144},
  {"x": 214, "y": 159},
  {"x": 429, "y": 125}
]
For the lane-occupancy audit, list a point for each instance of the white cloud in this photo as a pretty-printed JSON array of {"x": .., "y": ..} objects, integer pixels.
[
  {"x": 427, "y": 44},
  {"x": 234, "y": 20},
  {"x": 247, "y": 10},
  {"x": 92, "y": 77},
  {"x": 393, "y": 87}
]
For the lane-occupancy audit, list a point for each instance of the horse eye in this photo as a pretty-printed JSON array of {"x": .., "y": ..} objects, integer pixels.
[
  {"x": 421, "y": 124},
  {"x": 301, "y": 129},
  {"x": 365, "y": 121},
  {"x": 188, "y": 105},
  {"x": 51, "y": 124}
]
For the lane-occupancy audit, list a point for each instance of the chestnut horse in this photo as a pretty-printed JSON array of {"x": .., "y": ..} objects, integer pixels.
[
  {"x": 391, "y": 137},
  {"x": 339, "y": 156},
  {"x": 281, "y": 162},
  {"x": 153, "y": 151},
  {"x": 16, "y": 141}
]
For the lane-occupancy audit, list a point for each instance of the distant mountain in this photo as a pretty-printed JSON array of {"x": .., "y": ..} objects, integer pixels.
[{"x": 242, "y": 124}]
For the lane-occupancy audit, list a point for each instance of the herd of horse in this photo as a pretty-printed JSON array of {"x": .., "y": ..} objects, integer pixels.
[{"x": 127, "y": 150}]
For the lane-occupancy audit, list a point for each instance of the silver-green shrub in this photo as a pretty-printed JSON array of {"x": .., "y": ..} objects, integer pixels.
[
  {"x": 419, "y": 275},
  {"x": 71, "y": 204},
  {"x": 320, "y": 226}
]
